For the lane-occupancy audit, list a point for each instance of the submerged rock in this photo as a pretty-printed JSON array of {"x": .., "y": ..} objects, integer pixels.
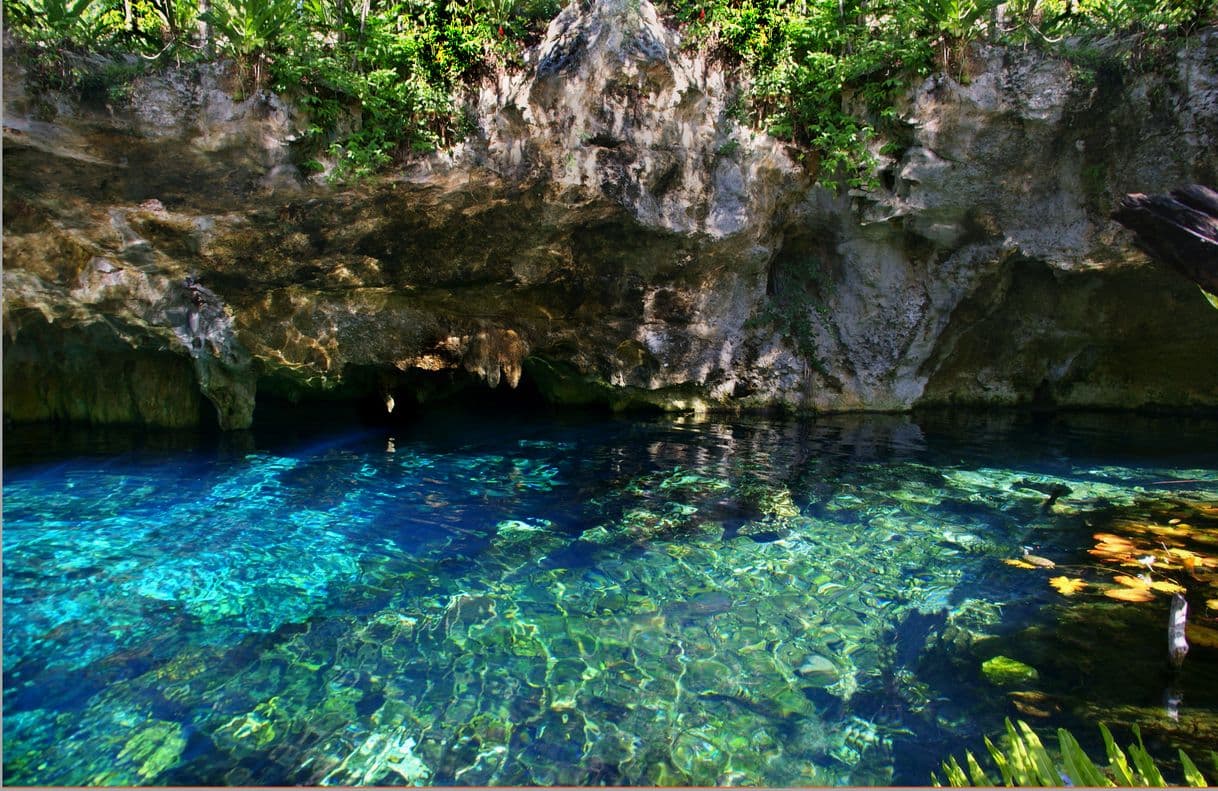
[
  {"x": 818, "y": 671},
  {"x": 1004, "y": 671},
  {"x": 154, "y": 749}
]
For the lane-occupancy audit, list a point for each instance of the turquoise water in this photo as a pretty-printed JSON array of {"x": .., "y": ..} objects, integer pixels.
[{"x": 536, "y": 600}]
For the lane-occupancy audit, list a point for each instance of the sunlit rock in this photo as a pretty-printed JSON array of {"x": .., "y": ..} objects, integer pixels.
[
  {"x": 610, "y": 233},
  {"x": 1005, "y": 671}
]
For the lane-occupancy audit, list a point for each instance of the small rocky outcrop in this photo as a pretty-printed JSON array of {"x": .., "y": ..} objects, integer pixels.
[{"x": 609, "y": 233}]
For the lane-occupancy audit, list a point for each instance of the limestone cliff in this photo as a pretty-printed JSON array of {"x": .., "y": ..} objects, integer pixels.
[{"x": 610, "y": 234}]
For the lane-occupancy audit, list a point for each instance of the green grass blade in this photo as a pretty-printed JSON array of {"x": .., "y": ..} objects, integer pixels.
[
  {"x": 1021, "y": 763},
  {"x": 1000, "y": 760},
  {"x": 975, "y": 772},
  {"x": 1079, "y": 766},
  {"x": 1192, "y": 775},
  {"x": 956, "y": 777},
  {"x": 1149, "y": 773},
  {"x": 1118, "y": 764},
  {"x": 1045, "y": 771}
]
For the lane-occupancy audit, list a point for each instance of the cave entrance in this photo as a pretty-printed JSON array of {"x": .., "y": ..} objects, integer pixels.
[{"x": 367, "y": 393}]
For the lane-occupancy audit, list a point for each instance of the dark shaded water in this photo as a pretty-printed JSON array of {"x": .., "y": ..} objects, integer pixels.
[{"x": 537, "y": 600}]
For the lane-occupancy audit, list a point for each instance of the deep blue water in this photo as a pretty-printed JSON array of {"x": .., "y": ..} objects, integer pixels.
[{"x": 530, "y": 599}]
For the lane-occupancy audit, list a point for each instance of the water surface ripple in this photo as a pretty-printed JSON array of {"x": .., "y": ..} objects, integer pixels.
[{"x": 553, "y": 601}]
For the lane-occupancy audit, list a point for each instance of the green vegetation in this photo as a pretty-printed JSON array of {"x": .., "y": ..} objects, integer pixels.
[
  {"x": 249, "y": 29},
  {"x": 818, "y": 68},
  {"x": 55, "y": 21},
  {"x": 826, "y": 73},
  {"x": 397, "y": 66},
  {"x": 379, "y": 76},
  {"x": 1023, "y": 761},
  {"x": 143, "y": 27},
  {"x": 795, "y": 303}
]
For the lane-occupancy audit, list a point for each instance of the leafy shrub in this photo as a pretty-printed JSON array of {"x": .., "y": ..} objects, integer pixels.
[
  {"x": 61, "y": 22},
  {"x": 145, "y": 27},
  {"x": 248, "y": 29},
  {"x": 811, "y": 62},
  {"x": 1134, "y": 16},
  {"x": 953, "y": 24},
  {"x": 826, "y": 72},
  {"x": 394, "y": 70}
]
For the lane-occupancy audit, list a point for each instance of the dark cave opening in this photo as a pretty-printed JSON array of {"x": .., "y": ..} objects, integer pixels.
[{"x": 380, "y": 397}]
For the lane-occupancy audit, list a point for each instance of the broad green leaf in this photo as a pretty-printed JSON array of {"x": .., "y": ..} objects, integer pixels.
[
  {"x": 975, "y": 773},
  {"x": 1149, "y": 773},
  {"x": 1079, "y": 766},
  {"x": 1046, "y": 773},
  {"x": 1118, "y": 764},
  {"x": 1021, "y": 763},
  {"x": 1000, "y": 760},
  {"x": 955, "y": 775},
  {"x": 78, "y": 9},
  {"x": 1192, "y": 775}
]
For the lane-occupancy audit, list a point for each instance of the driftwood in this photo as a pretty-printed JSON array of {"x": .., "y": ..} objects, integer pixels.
[{"x": 1179, "y": 230}]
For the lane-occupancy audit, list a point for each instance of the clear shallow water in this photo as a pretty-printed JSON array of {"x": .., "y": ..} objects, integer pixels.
[{"x": 532, "y": 600}]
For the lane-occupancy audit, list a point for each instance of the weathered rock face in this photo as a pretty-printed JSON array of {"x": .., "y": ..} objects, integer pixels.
[
  {"x": 989, "y": 273},
  {"x": 610, "y": 234}
]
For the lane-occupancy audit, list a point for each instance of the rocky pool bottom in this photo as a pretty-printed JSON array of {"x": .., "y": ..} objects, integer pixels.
[{"x": 534, "y": 599}]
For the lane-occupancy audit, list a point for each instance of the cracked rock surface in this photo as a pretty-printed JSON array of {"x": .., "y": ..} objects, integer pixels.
[{"x": 610, "y": 234}]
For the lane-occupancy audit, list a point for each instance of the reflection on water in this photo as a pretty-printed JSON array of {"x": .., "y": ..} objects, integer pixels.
[{"x": 570, "y": 601}]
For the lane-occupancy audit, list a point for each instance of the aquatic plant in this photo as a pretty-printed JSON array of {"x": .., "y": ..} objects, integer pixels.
[{"x": 1022, "y": 760}]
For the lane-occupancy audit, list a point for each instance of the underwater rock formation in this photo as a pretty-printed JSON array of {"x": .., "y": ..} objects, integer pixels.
[{"x": 610, "y": 233}]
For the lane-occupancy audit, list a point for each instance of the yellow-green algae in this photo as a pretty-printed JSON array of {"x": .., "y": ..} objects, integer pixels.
[{"x": 1005, "y": 671}]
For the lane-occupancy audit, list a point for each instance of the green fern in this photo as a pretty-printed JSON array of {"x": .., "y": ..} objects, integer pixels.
[{"x": 1024, "y": 761}]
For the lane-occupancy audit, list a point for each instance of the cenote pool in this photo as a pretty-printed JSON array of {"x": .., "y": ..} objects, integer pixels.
[{"x": 536, "y": 599}]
